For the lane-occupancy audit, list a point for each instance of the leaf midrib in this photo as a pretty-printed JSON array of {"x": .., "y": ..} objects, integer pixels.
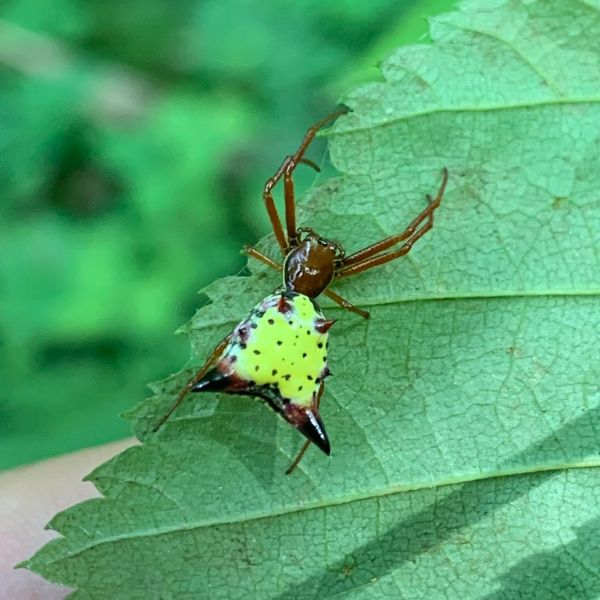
[
  {"x": 433, "y": 297},
  {"x": 343, "y": 130},
  {"x": 256, "y": 516},
  {"x": 429, "y": 298}
]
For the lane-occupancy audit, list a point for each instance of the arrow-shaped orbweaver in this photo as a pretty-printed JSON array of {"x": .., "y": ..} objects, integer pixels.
[{"x": 278, "y": 352}]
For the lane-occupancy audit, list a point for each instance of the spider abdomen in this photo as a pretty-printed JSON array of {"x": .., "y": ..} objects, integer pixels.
[
  {"x": 278, "y": 353},
  {"x": 279, "y": 344}
]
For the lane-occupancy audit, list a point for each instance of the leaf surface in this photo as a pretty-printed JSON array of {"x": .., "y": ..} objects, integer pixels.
[{"x": 464, "y": 415}]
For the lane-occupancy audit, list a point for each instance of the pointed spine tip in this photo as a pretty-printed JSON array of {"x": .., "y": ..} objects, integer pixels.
[
  {"x": 324, "y": 325},
  {"x": 283, "y": 306},
  {"x": 308, "y": 422}
]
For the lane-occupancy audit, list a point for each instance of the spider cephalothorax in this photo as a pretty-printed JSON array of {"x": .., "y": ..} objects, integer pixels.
[
  {"x": 310, "y": 266},
  {"x": 278, "y": 352}
]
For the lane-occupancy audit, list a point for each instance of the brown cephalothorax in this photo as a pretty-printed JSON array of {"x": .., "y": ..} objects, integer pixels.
[
  {"x": 279, "y": 351},
  {"x": 310, "y": 266}
]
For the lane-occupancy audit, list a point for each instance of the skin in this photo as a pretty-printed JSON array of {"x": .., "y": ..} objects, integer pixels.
[{"x": 29, "y": 497}]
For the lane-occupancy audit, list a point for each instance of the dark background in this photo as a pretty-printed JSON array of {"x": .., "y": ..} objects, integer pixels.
[{"x": 135, "y": 140}]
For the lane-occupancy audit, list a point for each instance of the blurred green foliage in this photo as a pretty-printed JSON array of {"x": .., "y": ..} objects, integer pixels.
[{"x": 135, "y": 142}]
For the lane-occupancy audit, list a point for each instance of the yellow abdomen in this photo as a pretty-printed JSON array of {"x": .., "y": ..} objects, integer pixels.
[{"x": 283, "y": 344}]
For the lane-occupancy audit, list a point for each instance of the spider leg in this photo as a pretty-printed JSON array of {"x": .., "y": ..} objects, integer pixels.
[
  {"x": 274, "y": 217},
  {"x": 381, "y": 259},
  {"x": 367, "y": 257},
  {"x": 307, "y": 443},
  {"x": 286, "y": 170},
  {"x": 298, "y": 458},
  {"x": 392, "y": 240},
  {"x": 311, "y": 163},
  {"x": 258, "y": 255},
  {"x": 197, "y": 377},
  {"x": 345, "y": 304}
]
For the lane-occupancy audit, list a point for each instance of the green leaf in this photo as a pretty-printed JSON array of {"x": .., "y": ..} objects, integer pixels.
[{"x": 464, "y": 416}]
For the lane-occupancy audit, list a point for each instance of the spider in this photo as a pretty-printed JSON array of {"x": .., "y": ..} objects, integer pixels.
[{"x": 278, "y": 352}]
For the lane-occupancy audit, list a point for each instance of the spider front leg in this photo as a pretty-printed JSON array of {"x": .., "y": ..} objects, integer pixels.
[
  {"x": 286, "y": 171},
  {"x": 371, "y": 255}
]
